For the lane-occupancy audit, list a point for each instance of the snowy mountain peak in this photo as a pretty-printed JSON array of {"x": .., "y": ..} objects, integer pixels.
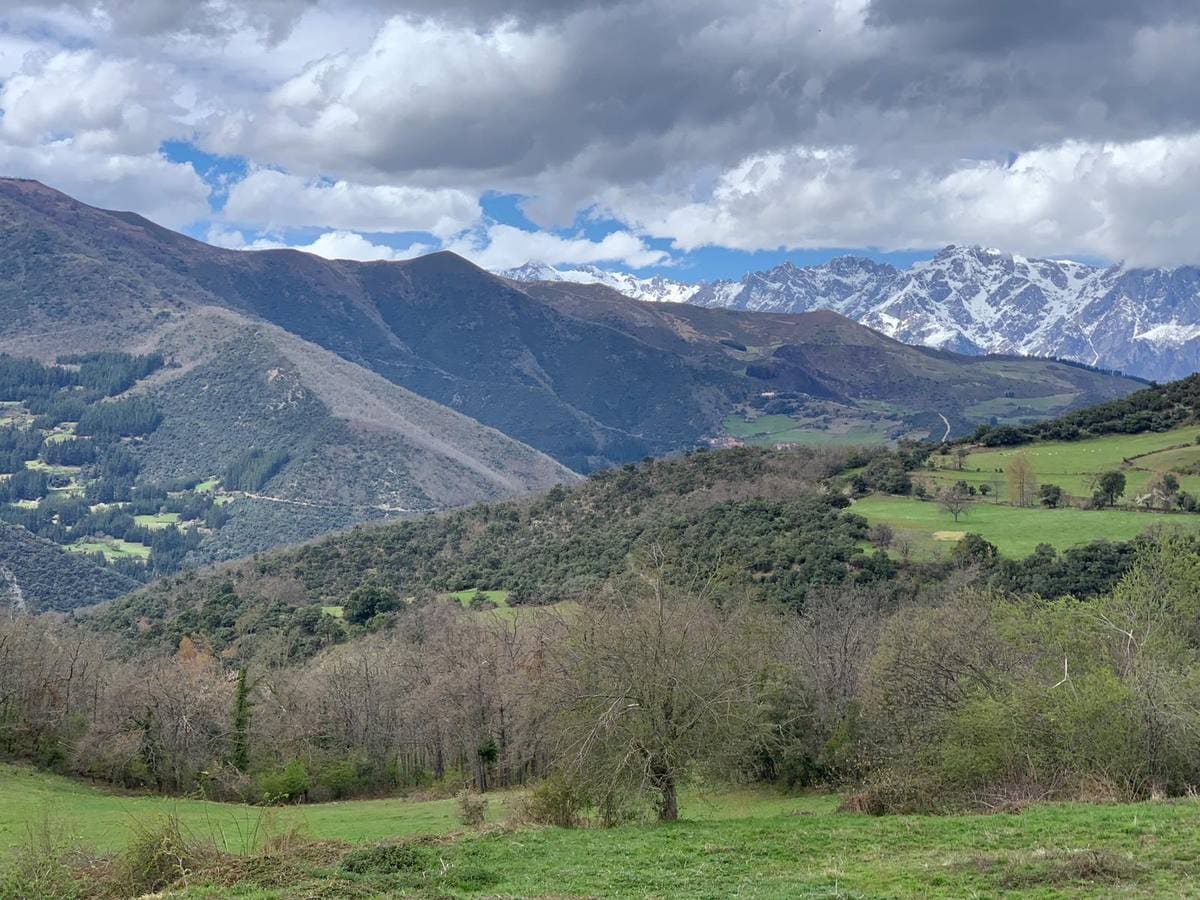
[
  {"x": 656, "y": 289},
  {"x": 969, "y": 299}
]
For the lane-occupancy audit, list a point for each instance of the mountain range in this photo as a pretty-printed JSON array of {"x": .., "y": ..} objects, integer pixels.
[
  {"x": 1145, "y": 322},
  {"x": 391, "y": 388}
]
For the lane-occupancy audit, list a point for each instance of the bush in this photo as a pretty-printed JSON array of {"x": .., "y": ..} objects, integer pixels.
[
  {"x": 472, "y": 809},
  {"x": 564, "y": 803},
  {"x": 289, "y": 784},
  {"x": 895, "y": 792},
  {"x": 341, "y": 778},
  {"x": 43, "y": 868},
  {"x": 388, "y": 859},
  {"x": 158, "y": 855}
]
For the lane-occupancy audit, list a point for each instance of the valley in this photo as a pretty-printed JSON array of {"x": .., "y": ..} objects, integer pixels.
[{"x": 484, "y": 449}]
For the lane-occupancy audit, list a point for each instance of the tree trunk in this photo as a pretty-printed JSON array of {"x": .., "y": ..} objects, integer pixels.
[{"x": 668, "y": 805}]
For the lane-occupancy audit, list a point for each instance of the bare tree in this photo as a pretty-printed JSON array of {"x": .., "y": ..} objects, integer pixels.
[
  {"x": 1022, "y": 481},
  {"x": 954, "y": 500},
  {"x": 658, "y": 681}
]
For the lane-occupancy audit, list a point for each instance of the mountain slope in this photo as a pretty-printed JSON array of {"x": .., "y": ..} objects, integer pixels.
[
  {"x": 37, "y": 575},
  {"x": 1142, "y": 321},
  {"x": 577, "y": 371},
  {"x": 359, "y": 447},
  {"x": 831, "y": 358},
  {"x": 970, "y": 300}
]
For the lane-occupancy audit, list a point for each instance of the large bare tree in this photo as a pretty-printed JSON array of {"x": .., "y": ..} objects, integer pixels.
[{"x": 659, "y": 681}]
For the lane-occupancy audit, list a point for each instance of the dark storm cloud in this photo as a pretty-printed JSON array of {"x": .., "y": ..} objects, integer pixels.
[
  {"x": 669, "y": 101},
  {"x": 630, "y": 91},
  {"x": 1004, "y": 25}
]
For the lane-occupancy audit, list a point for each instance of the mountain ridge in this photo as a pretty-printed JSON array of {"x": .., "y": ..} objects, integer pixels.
[
  {"x": 590, "y": 378},
  {"x": 975, "y": 300}
]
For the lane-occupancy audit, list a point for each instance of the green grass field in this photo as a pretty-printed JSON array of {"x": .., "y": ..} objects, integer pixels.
[
  {"x": 103, "y": 818},
  {"x": 1071, "y": 463},
  {"x": 771, "y": 430},
  {"x": 1015, "y": 531},
  {"x": 1016, "y": 410},
  {"x": 338, "y": 612},
  {"x": 39, "y": 466},
  {"x": 744, "y": 843},
  {"x": 112, "y": 549},
  {"x": 155, "y": 522},
  {"x": 500, "y": 598}
]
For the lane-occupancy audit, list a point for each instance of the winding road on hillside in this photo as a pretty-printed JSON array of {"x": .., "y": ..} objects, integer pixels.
[{"x": 946, "y": 436}]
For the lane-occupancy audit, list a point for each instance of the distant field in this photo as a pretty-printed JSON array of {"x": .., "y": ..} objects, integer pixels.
[
  {"x": 39, "y": 466},
  {"x": 103, "y": 818},
  {"x": 1018, "y": 410},
  {"x": 771, "y": 430},
  {"x": 500, "y": 598},
  {"x": 1071, "y": 463},
  {"x": 338, "y": 612},
  {"x": 112, "y": 549},
  {"x": 743, "y": 843},
  {"x": 1014, "y": 530},
  {"x": 155, "y": 522}
]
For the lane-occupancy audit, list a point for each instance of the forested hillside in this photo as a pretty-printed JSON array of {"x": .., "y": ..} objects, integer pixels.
[
  {"x": 1160, "y": 407},
  {"x": 36, "y": 575},
  {"x": 769, "y": 524}
]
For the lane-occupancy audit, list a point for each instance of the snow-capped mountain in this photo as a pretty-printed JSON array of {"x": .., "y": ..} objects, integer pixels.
[
  {"x": 656, "y": 289},
  {"x": 971, "y": 300}
]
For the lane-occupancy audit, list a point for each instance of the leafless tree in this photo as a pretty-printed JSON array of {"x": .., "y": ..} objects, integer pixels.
[
  {"x": 657, "y": 681},
  {"x": 1022, "y": 480},
  {"x": 954, "y": 500}
]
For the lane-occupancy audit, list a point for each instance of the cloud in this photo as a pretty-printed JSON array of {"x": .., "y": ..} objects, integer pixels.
[
  {"x": 503, "y": 247},
  {"x": 269, "y": 199},
  {"x": 171, "y": 194},
  {"x": 330, "y": 245},
  {"x": 1137, "y": 201},
  {"x": 97, "y": 104},
  {"x": 885, "y": 122}
]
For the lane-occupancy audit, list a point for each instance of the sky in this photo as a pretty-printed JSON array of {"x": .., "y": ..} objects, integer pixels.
[{"x": 694, "y": 138}]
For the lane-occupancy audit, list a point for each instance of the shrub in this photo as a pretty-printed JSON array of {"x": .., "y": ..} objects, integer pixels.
[
  {"x": 340, "y": 778},
  {"x": 43, "y": 868},
  {"x": 387, "y": 859},
  {"x": 895, "y": 792},
  {"x": 284, "y": 785},
  {"x": 472, "y": 809},
  {"x": 158, "y": 855}
]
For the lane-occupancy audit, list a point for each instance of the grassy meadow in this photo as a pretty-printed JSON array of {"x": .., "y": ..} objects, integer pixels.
[
  {"x": 1071, "y": 464},
  {"x": 930, "y": 531},
  {"x": 1015, "y": 531},
  {"x": 771, "y": 430},
  {"x": 746, "y": 843}
]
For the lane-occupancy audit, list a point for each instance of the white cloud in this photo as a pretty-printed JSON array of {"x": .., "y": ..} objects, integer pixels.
[
  {"x": 271, "y": 200},
  {"x": 423, "y": 96},
  {"x": 92, "y": 127},
  {"x": 1137, "y": 201},
  {"x": 100, "y": 105},
  {"x": 171, "y": 194},
  {"x": 330, "y": 245},
  {"x": 503, "y": 247}
]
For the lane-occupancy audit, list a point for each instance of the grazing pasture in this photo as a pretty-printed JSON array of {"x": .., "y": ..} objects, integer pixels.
[
  {"x": 733, "y": 842},
  {"x": 1015, "y": 531}
]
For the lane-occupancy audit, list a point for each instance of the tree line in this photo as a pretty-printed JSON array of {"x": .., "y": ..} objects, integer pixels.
[{"x": 961, "y": 697}]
